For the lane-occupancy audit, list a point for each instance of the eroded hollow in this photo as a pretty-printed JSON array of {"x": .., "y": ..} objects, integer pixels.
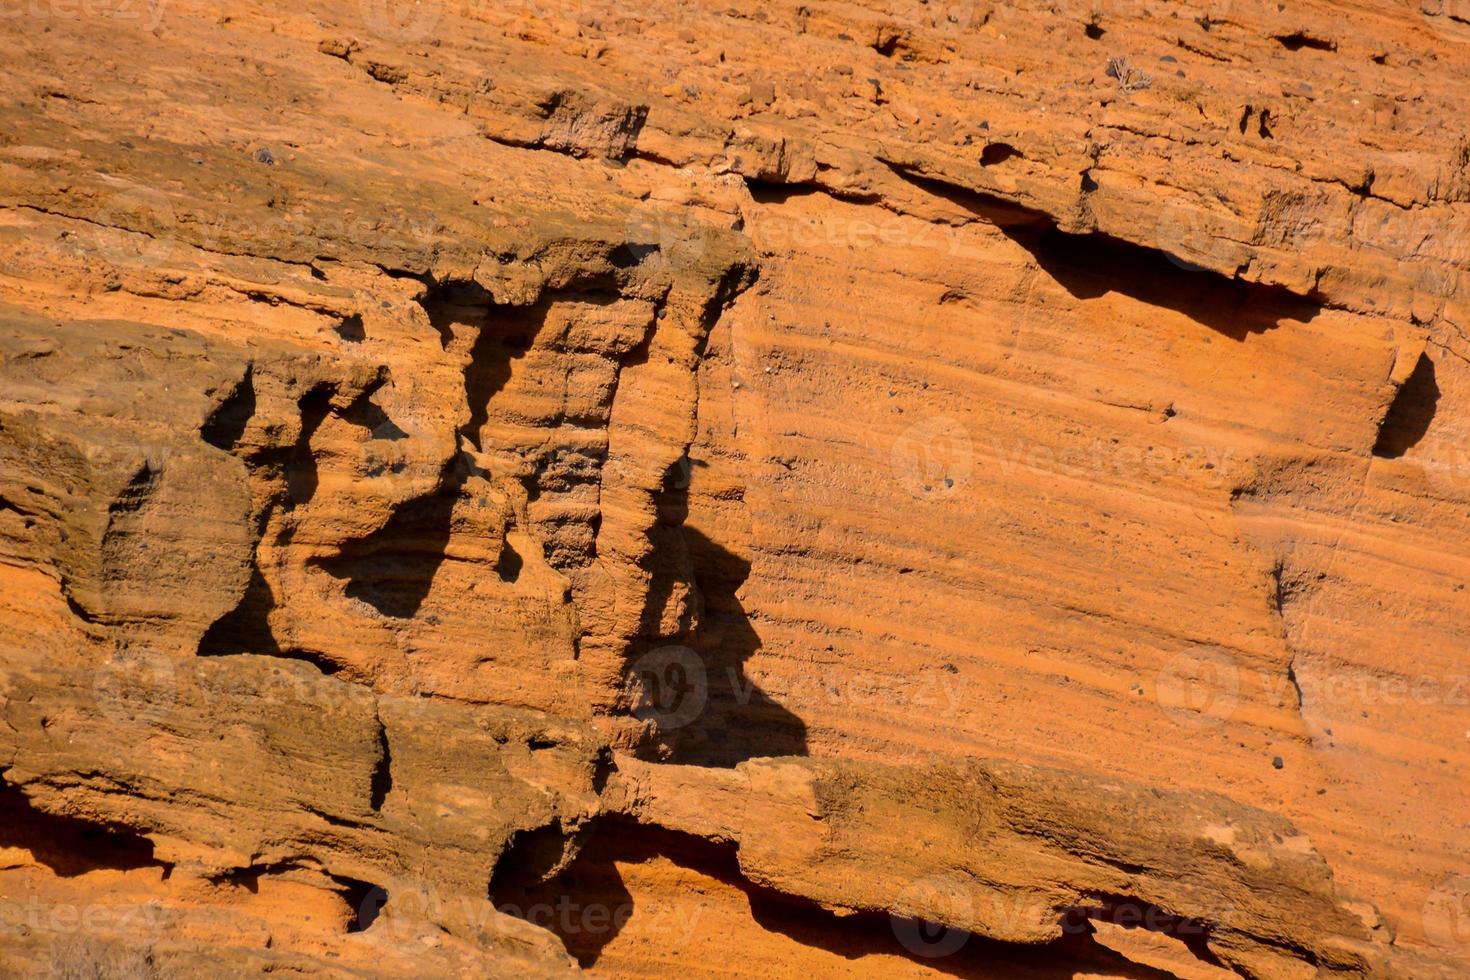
[
  {"x": 70, "y": 846},
  {"x": 637, "y": 896}
]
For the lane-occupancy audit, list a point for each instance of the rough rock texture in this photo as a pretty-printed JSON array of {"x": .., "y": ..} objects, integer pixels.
[{"x": 835, "y": 489}]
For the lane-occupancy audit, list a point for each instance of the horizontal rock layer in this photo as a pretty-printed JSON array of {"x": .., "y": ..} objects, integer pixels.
[{"x": 912, "y": 488}]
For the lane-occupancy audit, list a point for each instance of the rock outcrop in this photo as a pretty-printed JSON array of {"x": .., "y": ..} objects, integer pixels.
[{"x": 849, "y": 489}]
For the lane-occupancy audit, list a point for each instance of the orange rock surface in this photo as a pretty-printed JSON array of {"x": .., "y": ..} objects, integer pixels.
[{"x": 826, "y": 489}]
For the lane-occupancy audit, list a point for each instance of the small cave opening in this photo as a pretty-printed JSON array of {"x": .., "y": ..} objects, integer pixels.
[
  {"x": 351, "y": 329},
  {"x": 366, "y": 901}
]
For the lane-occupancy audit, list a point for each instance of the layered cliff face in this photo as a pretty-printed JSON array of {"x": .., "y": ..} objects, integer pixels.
[{"x": 888, "y": 489}]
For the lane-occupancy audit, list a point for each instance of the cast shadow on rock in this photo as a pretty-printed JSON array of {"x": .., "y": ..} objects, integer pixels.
[
  {"x": 1091, "y": 265},
  {"x": 70, "y": 846},
  {"x": 705, "y": 707},
  {"x": 598, "y": 896},
  {"x": 1411, "y": 413}
]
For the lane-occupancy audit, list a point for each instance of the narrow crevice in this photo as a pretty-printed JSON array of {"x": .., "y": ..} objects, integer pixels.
[
  {"x": 1278, "y": 591},
  {"x": 1285, "y": 590},
  {"x": 382, "y": 779}
]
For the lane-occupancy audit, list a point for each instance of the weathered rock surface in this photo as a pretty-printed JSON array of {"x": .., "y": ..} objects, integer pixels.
[{"x": 845, "y": 489}]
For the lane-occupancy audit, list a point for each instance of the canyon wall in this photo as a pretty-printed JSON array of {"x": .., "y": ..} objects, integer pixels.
[{"x": 840, "y": 489}]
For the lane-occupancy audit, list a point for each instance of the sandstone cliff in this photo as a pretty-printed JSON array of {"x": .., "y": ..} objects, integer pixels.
[{"x": 838, "y": 489}]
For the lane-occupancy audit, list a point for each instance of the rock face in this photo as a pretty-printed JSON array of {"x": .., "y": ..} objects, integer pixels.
[{"x": 901, "y": 488}]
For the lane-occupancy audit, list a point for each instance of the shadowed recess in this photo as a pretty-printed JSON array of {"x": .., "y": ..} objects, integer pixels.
[
  {"x": 366, "y": 413},
  {"x": 597, "y": 897},
  {"x": 393, "y": 568},
  {"x": 532, "y": 857},
  {"x": 705, "y": 709},
  {"x": 351, "y": 329},
  {"x": 1092, "y": 265},
  {"x": 382, "y": 781},
  {"x": 300, "y": 462},
  {"x": 245, "y": 628},
  {"x": 226, "y": 424},
  {"x": 368, "y": 902},
  {"x": 70, "y": 846},
  {"x": 1411, "y": 413}
]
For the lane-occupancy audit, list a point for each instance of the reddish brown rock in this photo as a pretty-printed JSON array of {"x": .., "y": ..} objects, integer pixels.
[{"x": 511, "y": 489}]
